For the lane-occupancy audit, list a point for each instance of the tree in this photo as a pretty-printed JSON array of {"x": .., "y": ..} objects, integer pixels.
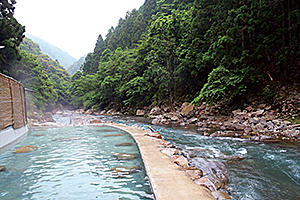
[
  {"x": 11, "y": 34},
  {"x": 164, "y": 38}
]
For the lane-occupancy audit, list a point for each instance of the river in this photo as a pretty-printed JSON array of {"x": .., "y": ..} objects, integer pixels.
[{"x": 269, "y": 171}]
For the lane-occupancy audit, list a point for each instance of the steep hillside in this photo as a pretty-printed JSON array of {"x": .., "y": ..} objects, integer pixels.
[
  {"x": 54, "y": 52},
  {"x": 57, "y": 74},
  {"x": 76, "y": 65}
]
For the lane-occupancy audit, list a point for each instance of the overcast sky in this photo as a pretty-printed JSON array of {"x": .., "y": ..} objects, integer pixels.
[{"x": 72, "y": 25}]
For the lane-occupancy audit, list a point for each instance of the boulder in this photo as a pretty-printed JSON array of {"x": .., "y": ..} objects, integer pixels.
[
  {"x": 174, "y": 118},
  {"x": 219, "y": 195},
  {"x": 26, "y": 149},
  {"x": 194, "y": 174},
  {"x": 193, "y": 120},
  {"x": 204, "y": 181},
  {"x": 125, "y": 156},
  {"x": 164, "y": 143},
  {"x": 103, "y": 112},
  {"x": 182, "y": 162},
  {"x": 257, "y": 113},
  {"x": 89, "y": 111},
  {"x": 156, "y": 111},
  {"x": 2, "y": 168},
  {"x": 215, "y": 170},
  {"x": 95, "y": 121},
  {"x": 141, "y": 112},
  {"x": 188, "y": 154},
  {"x": 187, "y": 110},
  {"x": 169, "y": 151},
  {"x": 48, "y": 117}
]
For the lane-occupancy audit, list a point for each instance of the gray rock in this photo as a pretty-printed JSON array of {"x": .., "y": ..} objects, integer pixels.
[
  {"x": 214, "y": 170},
  {"x": 257, "y": 113},
  {"x": 206, "y": 182},
  {"x": 156, "y": 111},
  {"x": 188, "y": 154},
  {"x": 193, "y": 120},
  {"x": 169, "y": 151}
]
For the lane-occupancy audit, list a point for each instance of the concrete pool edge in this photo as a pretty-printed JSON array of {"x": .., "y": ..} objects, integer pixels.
[
  {"x": 9, "y": 135},
  {"x": 167, "y": 181}
]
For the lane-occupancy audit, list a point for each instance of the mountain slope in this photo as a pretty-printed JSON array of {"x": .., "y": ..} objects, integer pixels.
[
  {"x": 54, "y": 52},
  {"x": 58, "y": 75},
  {"x": 76, "y": 65}
]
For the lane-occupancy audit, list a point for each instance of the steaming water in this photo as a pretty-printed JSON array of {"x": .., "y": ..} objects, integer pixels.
[
  {"x": 269, "y": 172},
  {"x": 76, "y": 169}
]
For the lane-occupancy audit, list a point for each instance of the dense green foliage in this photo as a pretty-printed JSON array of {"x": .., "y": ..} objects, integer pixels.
[
  {"x": 171, "y": 50},
  {"x": 11, "y": 35},
  {"x": 57, "y": 73},
  {"x": 30, "y": 72}
]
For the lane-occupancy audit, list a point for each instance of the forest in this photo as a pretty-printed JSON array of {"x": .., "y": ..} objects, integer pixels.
[{"x": 167, "y": 52}]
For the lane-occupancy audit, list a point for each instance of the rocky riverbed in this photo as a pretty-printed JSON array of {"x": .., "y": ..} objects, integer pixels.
[
  {"x": 254, "y": 122},
  {"x": 260, "y": 124}
]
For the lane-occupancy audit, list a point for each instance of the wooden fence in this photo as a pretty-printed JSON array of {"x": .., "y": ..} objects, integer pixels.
[{"x": 12, "y": 103}]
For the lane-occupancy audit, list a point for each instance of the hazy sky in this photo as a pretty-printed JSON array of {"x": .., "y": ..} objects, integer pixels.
[{"x": 72, "y": 25}]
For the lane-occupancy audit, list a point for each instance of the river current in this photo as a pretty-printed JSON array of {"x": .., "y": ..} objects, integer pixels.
[{"x": 268, "y": 172}]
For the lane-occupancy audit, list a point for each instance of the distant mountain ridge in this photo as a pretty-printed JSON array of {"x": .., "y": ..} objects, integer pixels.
[
  {"x": 53, "y": 52},
  {"x": 76, "y": 65}
]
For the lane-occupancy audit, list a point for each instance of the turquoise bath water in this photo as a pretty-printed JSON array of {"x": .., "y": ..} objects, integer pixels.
[{"x": 78, "y": 167}]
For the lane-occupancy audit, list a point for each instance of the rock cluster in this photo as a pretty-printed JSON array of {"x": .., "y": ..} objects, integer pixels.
[
  {"x": 260, "y": 124},
  {"x": 288, "y": 102},
  {"x": 208, "y": 173}
]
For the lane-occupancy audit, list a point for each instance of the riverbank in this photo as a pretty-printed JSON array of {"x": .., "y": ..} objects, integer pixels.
[{"x": 255, "y": 122}]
